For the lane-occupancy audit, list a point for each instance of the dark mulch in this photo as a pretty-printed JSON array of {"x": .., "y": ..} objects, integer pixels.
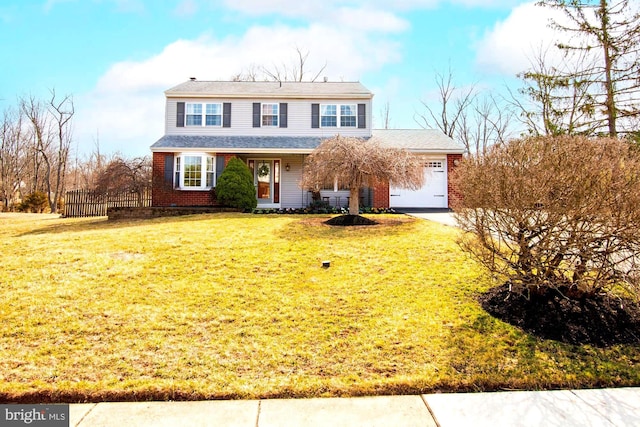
[
  {"x": 347, "y": 220},
  {"x": 601, "y": 320}
]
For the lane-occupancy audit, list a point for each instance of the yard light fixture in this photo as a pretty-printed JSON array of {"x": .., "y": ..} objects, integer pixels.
[{"x": 287, "y": 167}]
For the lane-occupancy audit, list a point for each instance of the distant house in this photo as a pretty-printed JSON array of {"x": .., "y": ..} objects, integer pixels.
[{"x": 273, "y": 126}]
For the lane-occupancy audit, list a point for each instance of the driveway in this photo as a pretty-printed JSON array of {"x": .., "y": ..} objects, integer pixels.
[{"x": 443, "y": 216}]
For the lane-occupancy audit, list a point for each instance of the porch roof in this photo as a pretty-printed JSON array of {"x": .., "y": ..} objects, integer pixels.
[
  {"x": 422, "y": 141},
  {"x": 238, "y": 144}
]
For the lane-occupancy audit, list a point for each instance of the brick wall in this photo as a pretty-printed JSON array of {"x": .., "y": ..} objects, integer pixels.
[
  {"x": 381, "y": 195},
  {"x": 452, "y": 193},
  {"x": 163, "y": 193},
  {"x": 156, "y": 212}
]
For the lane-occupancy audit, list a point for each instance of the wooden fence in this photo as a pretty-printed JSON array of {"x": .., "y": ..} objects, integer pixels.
[{"x": 82, "y": 203}]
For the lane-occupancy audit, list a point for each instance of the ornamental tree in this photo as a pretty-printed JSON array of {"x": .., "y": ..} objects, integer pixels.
[
  {"x": 357, "y": 163},
  {"x": 554, "y": 213}
]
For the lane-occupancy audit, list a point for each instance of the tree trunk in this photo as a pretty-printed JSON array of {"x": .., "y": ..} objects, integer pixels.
[
  {"x": 354, "y": 201},
  {"x": 606, "y": 46}
]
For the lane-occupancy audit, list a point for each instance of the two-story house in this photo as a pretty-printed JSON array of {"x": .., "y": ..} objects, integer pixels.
[{"x": 273, "y": 126}]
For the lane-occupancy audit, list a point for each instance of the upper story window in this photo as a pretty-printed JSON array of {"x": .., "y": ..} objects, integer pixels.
[
  {"x": 332, "y": 115},
  {"x": 348, "y": 116},
  {"x": 328, "y": 116},
  {"x": 269, "y": 114},
  {"x": 193, "y": 115},
  {"x": 195, "y": 171},
  {"x": 203, "y": 114},
  {"x": 214, "y": 114}
]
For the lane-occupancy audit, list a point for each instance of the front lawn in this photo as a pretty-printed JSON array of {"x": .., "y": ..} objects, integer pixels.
[{"x": 239, "y": 306}]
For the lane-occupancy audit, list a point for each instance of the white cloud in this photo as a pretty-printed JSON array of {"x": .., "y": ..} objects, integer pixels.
[
  {"x": 127, "y": 103},
  {"x": 365, "y": 19},
  {"x": 320, "y": 9},
  {"x": 510, "y": 45},
  {"x": 487, "y": 4}
]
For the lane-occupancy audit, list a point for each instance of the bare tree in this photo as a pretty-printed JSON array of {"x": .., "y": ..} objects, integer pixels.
[
  {"x": 484, "y": 123},
  {"x": 609, "y": 32},
  {"x": 451, "y": 105},
  {"x": 541, "y": 217},
  {"x": 385, "y": 115},
  {"x": 40, "y": 130},
  {"x": 252, "y": 73},
  {"x": 125, "y": 175},
  {"x": 296, "y": 71},
  {"x": 357, "y": 163},
  {"x": 13, "y": 150},
  {"x": 61, "y": 112},
  {"x": 467, "y": 116}
]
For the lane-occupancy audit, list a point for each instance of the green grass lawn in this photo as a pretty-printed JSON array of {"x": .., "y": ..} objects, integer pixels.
[{"x": 239, "y": 306}]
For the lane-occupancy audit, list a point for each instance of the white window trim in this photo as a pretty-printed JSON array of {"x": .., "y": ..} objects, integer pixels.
[
  {"x": 179, "y": 160},
  {"x": 339, "y": 115},
  {"x": 203, "y": 114},
  {"x": 277, "y": 114}
]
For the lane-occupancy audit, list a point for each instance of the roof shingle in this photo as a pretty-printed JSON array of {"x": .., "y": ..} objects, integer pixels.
[
  {"x": 270, "y": 89},
  {"x": 415, "y": 140}
]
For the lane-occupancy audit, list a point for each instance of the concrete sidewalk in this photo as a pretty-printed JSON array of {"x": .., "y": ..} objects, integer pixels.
[{"x": 566, "y": 408}]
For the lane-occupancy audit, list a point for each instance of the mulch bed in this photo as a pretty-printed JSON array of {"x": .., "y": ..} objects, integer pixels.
[
  {"x": 600, "y": 320},
  {"x": 349, "y": 220}
]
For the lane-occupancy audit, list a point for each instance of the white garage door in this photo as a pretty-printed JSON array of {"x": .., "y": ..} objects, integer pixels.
[{"x": 432, "y": 195}]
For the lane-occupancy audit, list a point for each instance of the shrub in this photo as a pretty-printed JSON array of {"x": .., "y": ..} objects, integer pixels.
[
  {"x": 557, "y": 213},
  {"x": 235, "y": 186},
  {"x": 34, "y": 202}
]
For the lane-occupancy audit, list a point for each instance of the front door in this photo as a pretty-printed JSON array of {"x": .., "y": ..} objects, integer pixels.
[
  {"x": 263, "y": 180},
  {"x": 266, "y": 178}
]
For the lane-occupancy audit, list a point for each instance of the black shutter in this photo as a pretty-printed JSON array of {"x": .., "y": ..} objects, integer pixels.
[
  {"x": 219, "y": 167},
  {"x": 362, "y": 116},
  {"x": 315, "y": 116},
  {"x": 168, "y": 168},
  {"x": 256, "y": 114},
  {"x": 180, "y": 115},
  {"x": 283, "y": 114},
  {"x": 226, "y": 115}
]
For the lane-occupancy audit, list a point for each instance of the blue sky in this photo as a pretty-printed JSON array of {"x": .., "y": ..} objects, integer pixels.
[{"x": 116, "y": 57}]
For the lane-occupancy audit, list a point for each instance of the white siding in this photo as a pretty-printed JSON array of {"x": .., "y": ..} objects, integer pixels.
[
  {"x": 298, "y": 119},
  {"x": 291, "y": 195}
]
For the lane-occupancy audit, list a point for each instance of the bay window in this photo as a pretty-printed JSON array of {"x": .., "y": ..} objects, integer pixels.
[{"x": 195, "y": 171}]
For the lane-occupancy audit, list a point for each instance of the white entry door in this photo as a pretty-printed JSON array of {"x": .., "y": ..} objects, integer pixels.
[{"x": 433, "y": 193}]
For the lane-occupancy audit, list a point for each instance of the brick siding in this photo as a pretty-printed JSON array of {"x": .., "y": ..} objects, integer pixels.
[
  {"x": 381, "y": 195},
  {"x": 163, "y": 193},
  {"x": 452, "y": 193}
]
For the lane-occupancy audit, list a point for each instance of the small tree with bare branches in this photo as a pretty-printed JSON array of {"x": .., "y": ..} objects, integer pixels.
[
  {"x": 554, "y": 214},
  {"x": 122, "y": 175},
  {"x": 357, "y": 163},
  {"x": 295, "y": 71}
]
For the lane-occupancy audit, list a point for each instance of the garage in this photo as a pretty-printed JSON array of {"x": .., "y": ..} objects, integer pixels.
[{"x": 432, "y": 195}]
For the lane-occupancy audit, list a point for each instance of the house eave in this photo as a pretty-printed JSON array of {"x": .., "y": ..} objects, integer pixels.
[
  {"x": 233, "y": 150},
  {"x": 436, "y": 151},
  {"x": 267, "y": 96}
]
